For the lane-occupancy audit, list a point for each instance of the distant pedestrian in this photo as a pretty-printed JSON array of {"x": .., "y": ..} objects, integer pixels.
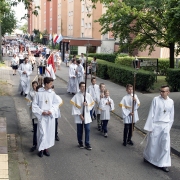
[
  {"x": 14, "y": 63},
  {"x": 83, "y": 60},
  {"x": 106, "y": 106},
  {"x": 66, "y": 58},
  {"x": 158, "y": 125},
  {"x": 93, "y": 67},
  {"x": 126, "y": 105}
]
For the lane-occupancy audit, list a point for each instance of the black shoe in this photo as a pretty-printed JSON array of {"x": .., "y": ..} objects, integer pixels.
[
  {"x": 99, "y": 128},
  {"x": 88, "y": 147},
  {"x": 13, "y": 74},
  {"x": 130, "y": 143},
  {"x": 165, "y": 169},
  {"x": 25, "y": 95},
  {"x": 124, "y": 144},
  {"x": 46, "y": 153},
  {"x": 21, "y": 93},
  {"x": 145, "y": 160},
  {"x": 57, "y": 138},
  {"x": 81, "y": 146},
  {"x": 40, "y": 153},
  {"x": 33, "y": 149}
]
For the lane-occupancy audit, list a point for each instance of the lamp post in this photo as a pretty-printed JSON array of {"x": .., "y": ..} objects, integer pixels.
[{"x": 136, "y": 65}]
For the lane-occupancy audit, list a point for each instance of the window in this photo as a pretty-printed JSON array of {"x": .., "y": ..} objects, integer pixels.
[
  {"x": 82, "y": 7},
  {"x": 82, "y": 22},
  {"x": 89, "y": 25},
  {"x": 82, "y": 34},
  {"x": 69, "y": 27},
  {"x": 86, "y": 25}
]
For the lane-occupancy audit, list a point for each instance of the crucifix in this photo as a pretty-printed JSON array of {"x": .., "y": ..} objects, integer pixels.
[
  {"x": 46, "y": 101},
  {"x": 164, "y": 111}
]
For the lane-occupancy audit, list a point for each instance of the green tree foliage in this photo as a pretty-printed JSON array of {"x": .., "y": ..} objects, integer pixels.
[
  {"x": 142, "y": 24},
  {"x": 24, "y": 28}
]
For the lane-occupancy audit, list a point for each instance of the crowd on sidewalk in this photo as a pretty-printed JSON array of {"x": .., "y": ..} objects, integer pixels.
[{"x": 89, "y": 103}]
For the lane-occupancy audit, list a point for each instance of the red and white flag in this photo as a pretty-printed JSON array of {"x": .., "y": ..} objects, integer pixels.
[
  {"x": 55, "y": 38},
  {"x": 59, "y": 39},
  {"x": 51, "y": 61}
]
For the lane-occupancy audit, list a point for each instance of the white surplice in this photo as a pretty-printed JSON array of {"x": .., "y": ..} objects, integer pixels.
[
  {"x": 98, "y": 101},
  {"x": 24, "y": 78},
  {"x": 106, "y": 109},
  {"x": 58, "y": 112},
  {"x": 49, "y": 72},
  {"x": 77, "y": 108},
  {"x": 126, "y": 105},
  {"x": 79, "y": 76},
  {"x": 71, "y": 87},
  {"x": 45, "y": 100},
  {"x": 158, "y": 125}
]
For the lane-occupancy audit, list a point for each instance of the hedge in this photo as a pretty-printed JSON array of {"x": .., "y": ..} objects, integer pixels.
[
  {"x": 163, "y": 64},
  {"x": 173, "y": 79},
  {"x": 123, "y": 75},
  {"x": 107, "y": 57}
]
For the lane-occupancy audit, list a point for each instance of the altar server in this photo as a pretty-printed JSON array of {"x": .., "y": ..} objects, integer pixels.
[
  {"x": 158, "y": 125},
  {"x": 79, "y": 74}
]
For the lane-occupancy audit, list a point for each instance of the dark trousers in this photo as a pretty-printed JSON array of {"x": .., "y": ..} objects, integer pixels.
[
  {"x": 80, "y": 133},
  {"x": 56, "y": 127},
  {"x": 104, "y": 125},
  {"x": 99, "y": 122},
  {"x": 127, "y": 132},
  {"x": 93, "y": 114},
  {"x": 34, "y": 133},
  {"x": 47, "y": 55}
]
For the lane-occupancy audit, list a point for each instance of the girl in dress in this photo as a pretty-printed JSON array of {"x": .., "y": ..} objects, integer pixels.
[{"x": 14, "y": 63}]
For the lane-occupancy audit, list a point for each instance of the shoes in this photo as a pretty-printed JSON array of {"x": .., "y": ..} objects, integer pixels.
[
  {"x": 81, "y": 146},
  {"x": 46, "y": 153},
  {"x": 21, "y": 93},
  {"x": 25, "y": 95},
  {"x": 165, "y": 169},
  {"x": 130, "y": 143},
  {"x": 99, "y": 128},
  {"x": 105, "y": 135},
  {"x": 145, "y": 160},
  {"x": 33, "y": 149},
  {"x": 57, "y": 138},
  {"x": 40, "y": 153},
  {"x": 88, "y": 147},
  {"x": 124, "y": 144},
  {"x": 13, "y": 74}
]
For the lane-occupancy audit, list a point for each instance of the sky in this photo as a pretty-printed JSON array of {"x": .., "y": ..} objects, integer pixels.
[{"x": 20, "y": 12}]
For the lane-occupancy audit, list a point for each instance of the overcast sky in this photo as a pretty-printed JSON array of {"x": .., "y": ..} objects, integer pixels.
[{"x": 20, "y": 12}]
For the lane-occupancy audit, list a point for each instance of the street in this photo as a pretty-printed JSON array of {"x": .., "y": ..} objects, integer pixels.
[{"x": 107, "y": 160}]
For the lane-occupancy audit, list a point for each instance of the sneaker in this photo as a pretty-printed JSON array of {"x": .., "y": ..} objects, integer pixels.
[
  {"x": 105, "y": 135},
  {"x": 81, "y": 146},
  {"x": 88, "y": 147},
  {"x": 130, "y": 143}
]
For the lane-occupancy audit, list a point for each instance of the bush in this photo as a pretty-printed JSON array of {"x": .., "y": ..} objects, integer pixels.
[
  {"x": 123, "y": 75},
  {"x": 173, "y": 79},
  {"x": 105, "y": 57}
]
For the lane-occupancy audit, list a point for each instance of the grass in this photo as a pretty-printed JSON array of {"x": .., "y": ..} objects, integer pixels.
[
  {"x": 2, "y": 64},
  {"x": 3, "y": 88},
  {"x": 160, "y": 81}
]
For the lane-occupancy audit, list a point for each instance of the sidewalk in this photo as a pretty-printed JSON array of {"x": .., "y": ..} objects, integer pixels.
[{"x": 117, "y": 92}]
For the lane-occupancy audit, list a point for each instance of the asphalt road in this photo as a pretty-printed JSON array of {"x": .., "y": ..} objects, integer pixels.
[{"x": 108, "y": 160}]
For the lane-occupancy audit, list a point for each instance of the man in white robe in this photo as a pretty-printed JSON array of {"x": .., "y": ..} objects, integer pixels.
[
  {"x": 25, "y": 69},
  {"x": 81, "y": 112},
  {"x": 71, "y": 88},
  {"x": 93, "y": 90},
  {"x": 79, "y": 74},
  {"x": 44, "y": 107},
  {"x": 158, "y": 125},
  {"x": 126, "y": 105}
]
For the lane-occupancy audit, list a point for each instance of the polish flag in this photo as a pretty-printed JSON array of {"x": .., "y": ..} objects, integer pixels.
[{"x": 55, "y": 38}]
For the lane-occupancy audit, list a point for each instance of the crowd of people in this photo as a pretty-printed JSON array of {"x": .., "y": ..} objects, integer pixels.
[{"x": 88, "y": 104}]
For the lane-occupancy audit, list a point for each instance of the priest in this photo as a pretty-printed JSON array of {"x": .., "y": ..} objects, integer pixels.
[
  {"x": 71, "y": 88},
  {"x": 158, "y": 125},
  {"x": 25, "y": 69},
  {"x": 81, "y": 112},
  {"x": 44, "y": 107}
]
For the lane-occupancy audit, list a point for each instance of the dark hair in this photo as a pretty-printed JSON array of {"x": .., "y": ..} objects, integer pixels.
[
  {"x": 25, "y": 58},
  {"x": 101, "y": 84},
  {"x": 81, "y": 83},
  {"x": 38, "y": 86},
  {"x": 164, "y": 86},
  {"x": 34, "y": 82},
  {"x": 129, "y": 85},
  {"x": 47, "y": 80},
  {"x": 52, "y": 86},
  {"x": 74, "y": 56},
  {"x": 78, "y": 61},
  {"x": 73, "y": 60},
  {"x": 94, "y": 57},
  {"x": 92, "y": 78}
]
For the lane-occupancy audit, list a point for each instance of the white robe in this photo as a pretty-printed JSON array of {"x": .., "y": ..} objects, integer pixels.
[
  {"x": 79, "y": 76},
  {"x": 158, "y": 125},
  {"x": 49, "y": 72},
  {"x": 98, "y": 101},
  {"x": 93, "y": 90},
  {"x": 58, "y": 112},
  {"x": 45, "y": 100},
  {"x": 126, "y": 105},
  {"x": 72, "y": 79},
  {"x": 106, "y": 109},
  {"x": 24, "y": 78},
  {"x": 77, "y": 108}
]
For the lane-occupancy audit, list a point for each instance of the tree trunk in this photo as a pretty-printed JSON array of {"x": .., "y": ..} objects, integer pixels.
[{"x": 171, "y": 52}]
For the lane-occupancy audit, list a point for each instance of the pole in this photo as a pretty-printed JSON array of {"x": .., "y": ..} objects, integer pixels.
[{"x": 0, "y": 41}]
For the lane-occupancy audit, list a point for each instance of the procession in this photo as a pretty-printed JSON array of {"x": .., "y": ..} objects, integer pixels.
[{"x": 89, "y": 104}]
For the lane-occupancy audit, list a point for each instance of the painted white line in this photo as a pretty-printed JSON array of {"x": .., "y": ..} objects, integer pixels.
[{"x": 69, "y": 124}]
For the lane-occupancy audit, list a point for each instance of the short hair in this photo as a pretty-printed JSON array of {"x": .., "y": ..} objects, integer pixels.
[
  {"x": 81, "y": 83},
  {"x": 38, "y": 86},
  {"x": 105, "y": 91},
  {"x": 101, "y": 84},
  {"x": 94, "y": 57},
  {"x": 164, "y": 86},
  {"x": 34, "y": 82},
  {"x": 52, "y": 86},
  {"x": 47, "y": 80},
  {"x": 25, "y": 58},
  {"x": 73, "y": 60},
  {"x": 78, "y": 61},
  {"x": 128, "y": 86},
  {"x": 92, "y": 78}
]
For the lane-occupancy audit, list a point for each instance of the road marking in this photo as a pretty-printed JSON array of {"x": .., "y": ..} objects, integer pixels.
[{"x": 69, "y": 124}]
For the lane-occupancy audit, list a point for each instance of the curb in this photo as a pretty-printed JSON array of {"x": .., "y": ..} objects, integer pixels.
[{"x": 173, "y": 150}]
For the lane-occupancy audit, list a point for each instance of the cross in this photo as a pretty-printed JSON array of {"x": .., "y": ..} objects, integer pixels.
[
  {"x": 164, "y": 111},
  {"x": 46, "y": 101}
]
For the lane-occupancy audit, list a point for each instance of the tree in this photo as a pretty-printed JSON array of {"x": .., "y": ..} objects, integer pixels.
[
  {"x": 143, "y": 23},
  {"x": 24, "y": 28}
]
